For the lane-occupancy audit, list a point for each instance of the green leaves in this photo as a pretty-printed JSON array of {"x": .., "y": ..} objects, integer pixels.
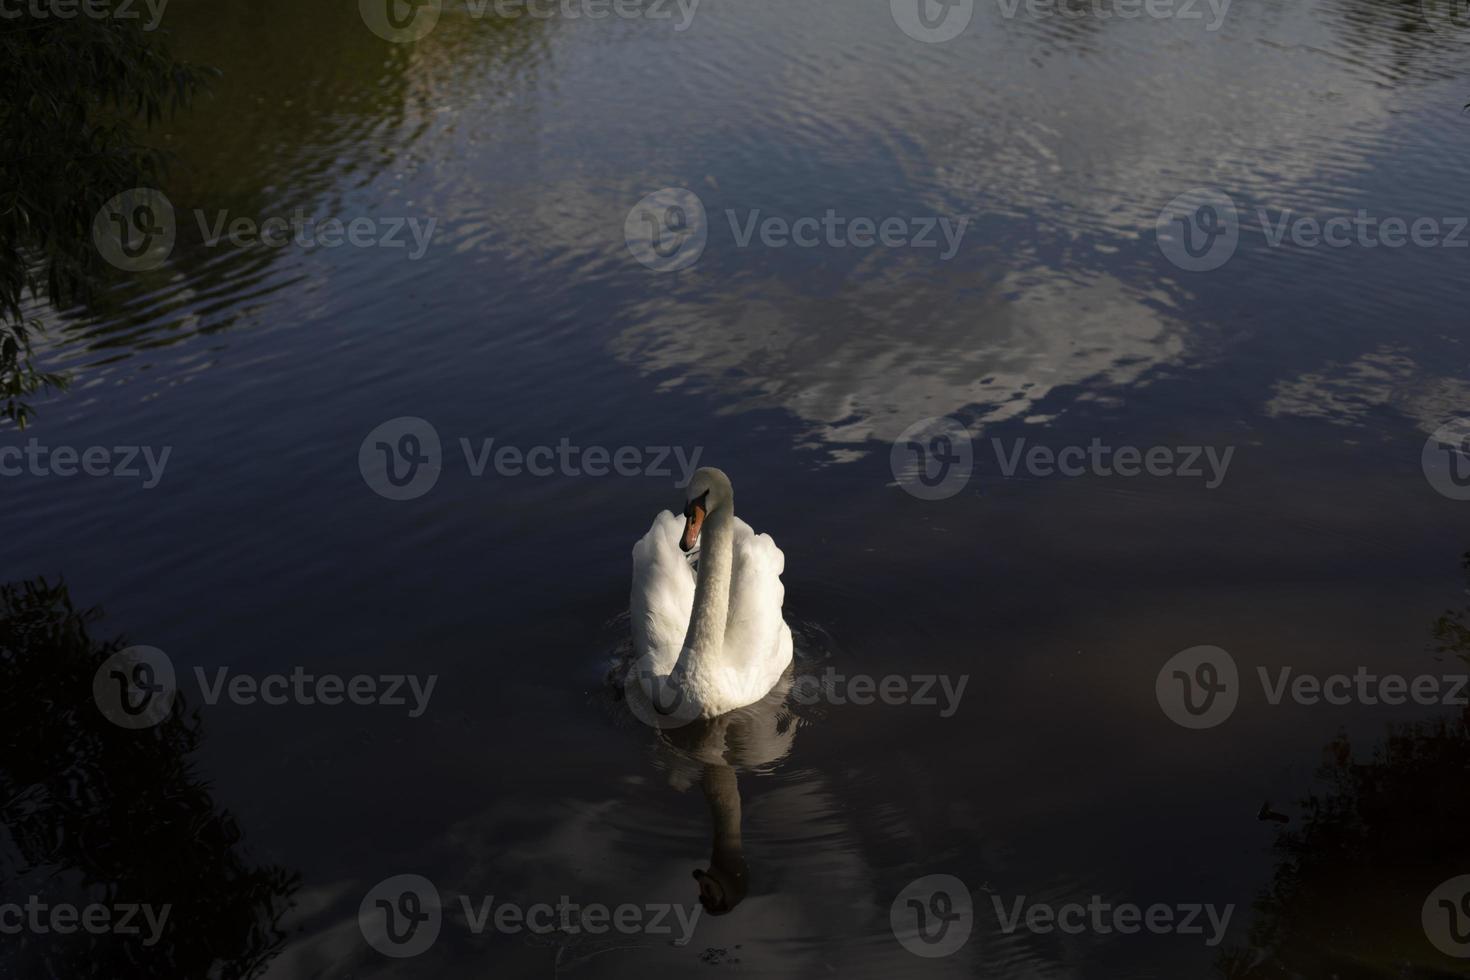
[
  {"x": 18, "y": 376},
  {"x": 93, "y": 86}
]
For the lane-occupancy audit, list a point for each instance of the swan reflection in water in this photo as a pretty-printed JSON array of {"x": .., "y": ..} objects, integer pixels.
[{"x": 711, "y": 752}]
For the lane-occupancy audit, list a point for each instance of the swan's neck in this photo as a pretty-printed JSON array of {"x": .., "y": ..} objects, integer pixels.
[
  {"x": 723, "y": 794},
  {"x": 706, "y": 636}
]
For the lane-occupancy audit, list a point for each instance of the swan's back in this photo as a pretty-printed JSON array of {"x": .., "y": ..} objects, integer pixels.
[{"x": 756, "y": 635}]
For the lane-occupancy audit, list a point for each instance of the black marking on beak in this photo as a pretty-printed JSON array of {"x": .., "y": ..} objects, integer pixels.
[{"x": 699, "y": 502}]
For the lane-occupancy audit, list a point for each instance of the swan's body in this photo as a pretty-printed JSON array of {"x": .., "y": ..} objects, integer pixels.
[{"x": 717, "y": 638}]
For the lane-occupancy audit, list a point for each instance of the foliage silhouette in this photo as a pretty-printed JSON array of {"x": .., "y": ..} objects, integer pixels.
[
  {"x": 1350, "y": 884},
  {"x": 81, "y": 90},
  {"x": 98, "y": 813}
]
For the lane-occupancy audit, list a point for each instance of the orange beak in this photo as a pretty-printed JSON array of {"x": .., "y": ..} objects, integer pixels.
[{"x": 693, "y": 520}]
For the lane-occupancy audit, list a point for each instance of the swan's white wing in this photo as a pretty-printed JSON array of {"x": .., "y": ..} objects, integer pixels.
[
  {"x": 663, "y": 593},
  {"x": 757, "y": 640}
]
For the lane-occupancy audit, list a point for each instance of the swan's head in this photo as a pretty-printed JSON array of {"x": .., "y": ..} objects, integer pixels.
[
  {"x": 708, "y": 491},
  {"x": 721, "y": 888}
]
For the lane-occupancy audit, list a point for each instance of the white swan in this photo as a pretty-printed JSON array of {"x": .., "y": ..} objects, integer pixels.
[{"x": 710, "y": 642}]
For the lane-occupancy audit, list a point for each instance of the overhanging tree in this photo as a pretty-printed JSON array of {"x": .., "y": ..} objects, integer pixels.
[{"x": 80, "y": 94}]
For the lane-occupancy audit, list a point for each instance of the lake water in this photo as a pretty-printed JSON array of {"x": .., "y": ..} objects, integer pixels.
[{"x": 1290, "y": 384}]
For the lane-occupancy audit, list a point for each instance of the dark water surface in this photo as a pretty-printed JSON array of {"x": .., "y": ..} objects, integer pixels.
[{"x": 1059, "y": 320}]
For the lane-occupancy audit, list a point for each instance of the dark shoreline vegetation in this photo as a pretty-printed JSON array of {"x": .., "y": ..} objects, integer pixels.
[
  {"x": 116, "y": 816},
  {"x": 93, "y": 87},
  {"x": 1373, "y": 841}
]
